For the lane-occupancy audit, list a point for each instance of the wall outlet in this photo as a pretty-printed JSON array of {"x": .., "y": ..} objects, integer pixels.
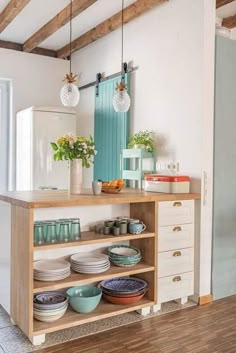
[
  {"x": 169, "y": 166},
  {"x": 173, "y": 166}
]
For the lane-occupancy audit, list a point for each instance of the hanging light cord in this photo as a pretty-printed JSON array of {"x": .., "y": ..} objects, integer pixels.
[
  {"x": 122, "y": 41},
  {"x": 70, "y": 31}
]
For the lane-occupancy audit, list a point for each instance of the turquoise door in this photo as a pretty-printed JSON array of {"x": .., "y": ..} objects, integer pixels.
[{"x": 111, "y": 132}]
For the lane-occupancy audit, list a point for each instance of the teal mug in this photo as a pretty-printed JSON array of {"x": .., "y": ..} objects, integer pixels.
[{"x": 136, "y": 228}]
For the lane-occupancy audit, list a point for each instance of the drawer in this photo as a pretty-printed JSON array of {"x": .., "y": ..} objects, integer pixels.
[
  {"x": 175, "y": 237},
  {"x": 175, "y": 212},
  {"x": 174, "y": 262},
  {"x": 175, "y": 287}
]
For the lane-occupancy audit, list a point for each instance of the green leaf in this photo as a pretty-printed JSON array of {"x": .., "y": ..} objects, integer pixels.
[{"x": 54, "y": 146}]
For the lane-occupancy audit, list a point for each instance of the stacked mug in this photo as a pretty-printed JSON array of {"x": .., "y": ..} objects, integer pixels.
[
  {"x": 120, "y": 226},
  {"x": 56, "y": 231}
]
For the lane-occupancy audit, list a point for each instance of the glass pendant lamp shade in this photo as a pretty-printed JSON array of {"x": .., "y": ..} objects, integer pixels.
[
  {"x": 70, "y": 95},
  {"x": 121, "y": 101}
]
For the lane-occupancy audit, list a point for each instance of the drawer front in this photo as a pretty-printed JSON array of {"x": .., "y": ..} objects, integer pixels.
[
  {"x": 175, "y": 287},
  {"x": 175, "y": 212},
  {"x": 174, "y": 262},
  {"x": 175, "y": 237}
]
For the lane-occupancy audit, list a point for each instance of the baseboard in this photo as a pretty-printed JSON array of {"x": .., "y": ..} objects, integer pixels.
[{"x": 206, "y": 299}]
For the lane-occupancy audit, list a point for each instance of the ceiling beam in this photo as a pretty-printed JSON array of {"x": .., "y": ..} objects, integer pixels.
[
  {"x": 220, "y": 3},
  {"x": 109, "y": 25},
  {"x": 229, "y": 22},
  {"x": 19, "y": 47},
  {"x": 56, "y": 23},
  {"x": 12, "y": 9}
]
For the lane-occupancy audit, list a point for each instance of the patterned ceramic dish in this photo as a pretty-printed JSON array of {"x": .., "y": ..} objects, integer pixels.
[
  {"x": 117, "y": 294},
  {"x": 49, "y": 300},
  {"x": 123, "y": 300},
  {"x": 124, "y": 255},
  {"x": 124, "y": 284},
  {"x": 123, "y": 250}
]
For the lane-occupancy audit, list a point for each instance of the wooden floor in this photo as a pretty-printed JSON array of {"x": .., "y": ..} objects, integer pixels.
[{"x": 209, "y": 328}]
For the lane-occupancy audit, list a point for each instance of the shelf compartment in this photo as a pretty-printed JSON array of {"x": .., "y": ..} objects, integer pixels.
[
  {"x": 81, "y": 279},
  {"x": 103, "y": 311},
  {"x": 89, "y": 238}
]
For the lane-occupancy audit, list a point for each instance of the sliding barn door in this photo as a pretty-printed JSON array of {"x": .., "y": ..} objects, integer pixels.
[{"x": 111, "y": 132}]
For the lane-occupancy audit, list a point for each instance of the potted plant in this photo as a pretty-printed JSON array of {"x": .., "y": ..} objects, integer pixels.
[
  {"x": 142, "y": 139},
  {"x": 79, "y": 151}
]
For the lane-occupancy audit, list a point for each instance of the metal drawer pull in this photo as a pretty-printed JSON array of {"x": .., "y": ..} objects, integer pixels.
[
  {"x": 177, "y": 253},
  {"x": 177, "y": 279},
  {"x": 175, "y": 204},
  {"x": 177, "y": 229}
]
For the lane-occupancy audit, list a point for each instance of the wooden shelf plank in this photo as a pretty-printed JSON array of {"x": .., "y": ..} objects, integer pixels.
[
  {"x": 60, "y": 198},
  {"x": 72, "y": 318},
  {"x": 94, "y": 238},
  {"x": 81, "y": 279}
]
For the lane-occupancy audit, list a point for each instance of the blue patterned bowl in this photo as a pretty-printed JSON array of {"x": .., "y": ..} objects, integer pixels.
[{"x": 124, "y": 284}]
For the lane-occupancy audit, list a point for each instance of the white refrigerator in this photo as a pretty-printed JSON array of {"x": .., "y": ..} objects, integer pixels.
[{"x": 36, "y": 127}]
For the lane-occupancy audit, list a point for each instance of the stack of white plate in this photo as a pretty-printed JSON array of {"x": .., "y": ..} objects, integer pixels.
[
  {"x": 90, "y": 263},
  {"x": 51, "y": 270}
]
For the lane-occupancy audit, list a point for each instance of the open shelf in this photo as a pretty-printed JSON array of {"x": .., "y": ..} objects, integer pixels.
[
  {"x": 94, "y": 238},
  {"x": 72, "y": 318},
  {"x": 81, "y": 279}
]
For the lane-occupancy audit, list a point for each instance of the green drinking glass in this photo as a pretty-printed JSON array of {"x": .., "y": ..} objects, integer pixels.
[
  {"x": 64, "y": 232},
  {"x": 38, "y": 234},
  {"x": 51, "y": 233},
  {"x": 75, "y": 230}
]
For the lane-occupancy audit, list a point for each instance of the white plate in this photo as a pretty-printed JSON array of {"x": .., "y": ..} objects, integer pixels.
[
  {"x": 53, "y": 278},
  {"x": 55, "y": 265},
  {"x": 49, "y": 273},
  {"x": 89, "y": 258},
  {"x": 92, "y": 271},
  {"x": 90, "y": 266}
]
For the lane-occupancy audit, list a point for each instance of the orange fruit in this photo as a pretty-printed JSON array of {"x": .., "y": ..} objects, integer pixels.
[
  {"x": 120, "y": 182},
  {"x": 112, "y": 183}
]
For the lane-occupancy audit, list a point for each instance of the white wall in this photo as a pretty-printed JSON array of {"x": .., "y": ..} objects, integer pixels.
[
  {"x": 36, "y": 80},
  {"x": 167, "y": 45},
  {"x": 173, "y": 45}
]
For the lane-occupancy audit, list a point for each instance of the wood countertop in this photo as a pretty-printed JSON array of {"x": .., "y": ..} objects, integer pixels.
[{"x": 61, "y": 198}]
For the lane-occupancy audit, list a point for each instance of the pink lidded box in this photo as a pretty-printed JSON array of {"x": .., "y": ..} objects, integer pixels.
[{"x": 170, "y": 184}]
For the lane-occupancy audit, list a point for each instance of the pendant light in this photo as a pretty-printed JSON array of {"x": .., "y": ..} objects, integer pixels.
[
  {"x": 121, "y": 99},
  {"x": 70, "y": 93}
]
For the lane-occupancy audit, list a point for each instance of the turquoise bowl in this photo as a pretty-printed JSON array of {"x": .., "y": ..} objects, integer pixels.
[{"x": 84, "y": 299}]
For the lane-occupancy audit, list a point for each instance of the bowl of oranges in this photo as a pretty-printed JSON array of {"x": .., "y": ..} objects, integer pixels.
[{"x": 113, "y": 186}]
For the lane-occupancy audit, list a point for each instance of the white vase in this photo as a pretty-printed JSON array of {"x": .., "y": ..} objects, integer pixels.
[{"x": 75, "y": 185}]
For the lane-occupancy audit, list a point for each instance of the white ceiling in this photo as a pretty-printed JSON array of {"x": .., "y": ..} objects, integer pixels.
[{"x": 36, "y": 14}]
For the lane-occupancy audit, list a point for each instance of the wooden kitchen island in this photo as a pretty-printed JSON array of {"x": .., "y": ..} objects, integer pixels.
[{"x": 28, "y": 207}]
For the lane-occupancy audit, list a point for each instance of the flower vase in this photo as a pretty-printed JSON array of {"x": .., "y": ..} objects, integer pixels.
[{"x": 75, "y": 185}]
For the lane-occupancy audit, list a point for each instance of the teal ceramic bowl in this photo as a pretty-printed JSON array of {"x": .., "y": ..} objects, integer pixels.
[{"x": 84, "y": 299}]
